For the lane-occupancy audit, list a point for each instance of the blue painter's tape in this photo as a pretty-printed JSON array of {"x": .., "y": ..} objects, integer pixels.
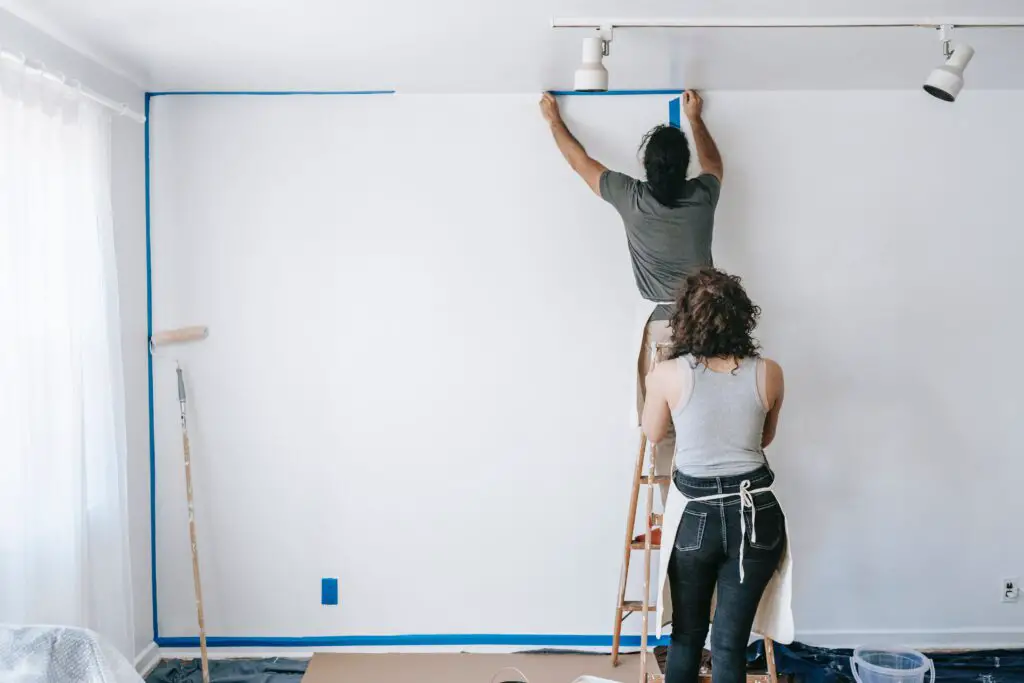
[
  {"x": 674, "y": 118},
  {"x": 272, "y": 92},
  {"x": 328, "y": 591},
  {"x": 515, "y": 639},
  {"x": 149, "y": 358},
  {"x": 613, "y": 93},
  {"x": 534, "y": 640}
]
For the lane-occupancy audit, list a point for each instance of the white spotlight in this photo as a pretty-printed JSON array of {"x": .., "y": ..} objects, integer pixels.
[
  {"x": 946, "y": 81},
  {"x": 592, "y": 76}
]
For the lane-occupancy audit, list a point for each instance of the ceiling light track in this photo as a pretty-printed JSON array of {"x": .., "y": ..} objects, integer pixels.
[
  {"x": 837, "y": 22},
  {"x": 944, "y": 83}
]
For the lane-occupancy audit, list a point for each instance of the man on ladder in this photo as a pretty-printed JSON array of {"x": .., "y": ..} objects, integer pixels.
[{"x": 669, "y": 221}]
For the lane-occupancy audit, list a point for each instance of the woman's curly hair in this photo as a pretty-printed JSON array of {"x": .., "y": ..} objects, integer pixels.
[{"x": 714, "y": 318}]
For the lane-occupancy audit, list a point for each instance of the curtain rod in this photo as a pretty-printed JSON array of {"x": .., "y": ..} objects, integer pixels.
[
  {"x": 56, "y": 77},
  {"x": 854, "y": 22}
]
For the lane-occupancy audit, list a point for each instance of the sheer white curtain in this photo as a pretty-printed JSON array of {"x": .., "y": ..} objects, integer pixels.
[{"x": 64, "y": 555}]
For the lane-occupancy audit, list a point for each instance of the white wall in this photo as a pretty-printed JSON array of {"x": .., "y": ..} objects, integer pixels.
[
  {"x": 420, "y": 323},
  {"x": 395, "y": 291},
  {"x": 128, "y": 190}
]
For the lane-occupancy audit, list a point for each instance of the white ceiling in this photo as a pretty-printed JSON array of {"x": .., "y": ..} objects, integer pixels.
[{"x": 481, "y": 46}]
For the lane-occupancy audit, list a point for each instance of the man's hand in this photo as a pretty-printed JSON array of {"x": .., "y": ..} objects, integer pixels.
[
  {"x": 692, "y": 105},
  {"x": 569, "y": 146},
  {"x": 549, "y": 109},
  {"x": 707, "y": 151}
]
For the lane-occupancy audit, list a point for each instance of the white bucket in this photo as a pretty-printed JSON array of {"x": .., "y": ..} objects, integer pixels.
[{"x": 882, "y": 665}]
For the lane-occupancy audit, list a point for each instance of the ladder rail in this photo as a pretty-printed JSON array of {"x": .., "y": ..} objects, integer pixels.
[
  {"x": 645, "y": 612},
  {"x": 624, "y": 573},
  {"x": 769, "y": 658}
]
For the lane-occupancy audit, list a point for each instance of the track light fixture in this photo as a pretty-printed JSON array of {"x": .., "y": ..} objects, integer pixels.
[
  {"x": 592, "y": 76},
  {"x": 946, "y": 81}
]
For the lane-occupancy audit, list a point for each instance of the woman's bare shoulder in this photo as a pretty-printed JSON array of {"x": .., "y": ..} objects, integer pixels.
[
  {"x": 662, "y": 373},
  {"x": 773, "y": 378}
]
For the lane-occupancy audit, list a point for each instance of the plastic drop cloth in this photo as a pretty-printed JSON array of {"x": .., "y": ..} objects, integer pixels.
[
  {"x": 809, "y": 664},
  {"x": 60, "y": 654},
  {"x": 273, "y": 670}
]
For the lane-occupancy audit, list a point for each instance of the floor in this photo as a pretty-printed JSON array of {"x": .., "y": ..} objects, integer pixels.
[
  {"x": 400, "y": 668},
  {"x": 467, "y": 668},
  {"x": 806, "y": 664}
]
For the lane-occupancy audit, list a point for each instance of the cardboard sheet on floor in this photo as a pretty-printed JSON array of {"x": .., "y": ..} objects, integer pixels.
[{"x": 468, "y": 668}]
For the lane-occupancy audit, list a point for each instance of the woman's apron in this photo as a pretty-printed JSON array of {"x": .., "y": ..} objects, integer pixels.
[{"x": 774, "y": 618}]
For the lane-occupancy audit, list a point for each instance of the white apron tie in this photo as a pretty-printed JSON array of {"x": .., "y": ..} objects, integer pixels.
[{"x": 746, "y": 496}]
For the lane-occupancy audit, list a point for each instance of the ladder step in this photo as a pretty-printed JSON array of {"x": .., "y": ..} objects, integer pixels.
[
  {"x": 639, "y": 545},
  {"x": 637, "y": 606},
  {"x": 658, "y": 479}
]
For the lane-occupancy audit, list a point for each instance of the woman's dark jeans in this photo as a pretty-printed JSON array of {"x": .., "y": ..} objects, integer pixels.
[{"x": 706, "y": 554}]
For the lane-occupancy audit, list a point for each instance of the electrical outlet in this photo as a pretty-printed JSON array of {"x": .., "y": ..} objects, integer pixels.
[{"x": 1010, "y": 590}]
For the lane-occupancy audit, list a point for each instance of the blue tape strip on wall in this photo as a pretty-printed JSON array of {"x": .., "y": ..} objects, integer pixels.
[
  {"x": 674, "y": 118},
  {"x": 426, "y": 639},
  {"x": 613, "y": 93}
]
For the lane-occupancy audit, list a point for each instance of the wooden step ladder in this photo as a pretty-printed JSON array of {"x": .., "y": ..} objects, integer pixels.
[{"x": 626, "y": 607}]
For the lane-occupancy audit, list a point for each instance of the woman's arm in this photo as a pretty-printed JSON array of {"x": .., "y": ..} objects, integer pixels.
[
  {"x": 775, "y": 390},
  {"x": 657, "y": 417}
]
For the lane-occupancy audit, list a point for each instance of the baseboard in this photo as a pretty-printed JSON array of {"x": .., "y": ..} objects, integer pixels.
[
  {"x": 300, "y": 647},
  {"x": 147, "y": 660},
  {"x": 305, "y": 647},
  {"x": 931, "y": 639},
  {"x": 306, "y": 653}
]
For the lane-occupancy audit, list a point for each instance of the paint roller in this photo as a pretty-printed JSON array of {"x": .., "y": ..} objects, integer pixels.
[{"x": 179, "y": 336}]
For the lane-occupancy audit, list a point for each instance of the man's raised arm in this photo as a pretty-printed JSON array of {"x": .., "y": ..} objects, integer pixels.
[
  {"x": 581, "y": 162},
  {"x": 707, "y": 150}
]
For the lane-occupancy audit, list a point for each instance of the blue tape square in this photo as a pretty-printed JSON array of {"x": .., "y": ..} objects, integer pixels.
[{"x": 328, "y": 591}]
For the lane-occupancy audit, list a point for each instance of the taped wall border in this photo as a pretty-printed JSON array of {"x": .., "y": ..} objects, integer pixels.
[
  {"x": 427, "y": 639},
  {"x": 614, "y": 93}
]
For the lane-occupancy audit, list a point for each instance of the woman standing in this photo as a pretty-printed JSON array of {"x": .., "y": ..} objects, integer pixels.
[{"x": 728, "y": 530}]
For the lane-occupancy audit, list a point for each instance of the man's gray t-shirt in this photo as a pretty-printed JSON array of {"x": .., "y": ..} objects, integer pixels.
[{"x": 666, "y": 243}]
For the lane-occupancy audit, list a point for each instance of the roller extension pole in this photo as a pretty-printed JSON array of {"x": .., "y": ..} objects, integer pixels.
[{"x": 192, "y": 530}]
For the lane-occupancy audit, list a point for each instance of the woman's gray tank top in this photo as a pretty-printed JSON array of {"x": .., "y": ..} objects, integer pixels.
[{"x": 719, "y": 428}]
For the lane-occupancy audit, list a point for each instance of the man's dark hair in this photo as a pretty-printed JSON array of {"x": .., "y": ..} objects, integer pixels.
[{"x": 666, "y": 155}]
